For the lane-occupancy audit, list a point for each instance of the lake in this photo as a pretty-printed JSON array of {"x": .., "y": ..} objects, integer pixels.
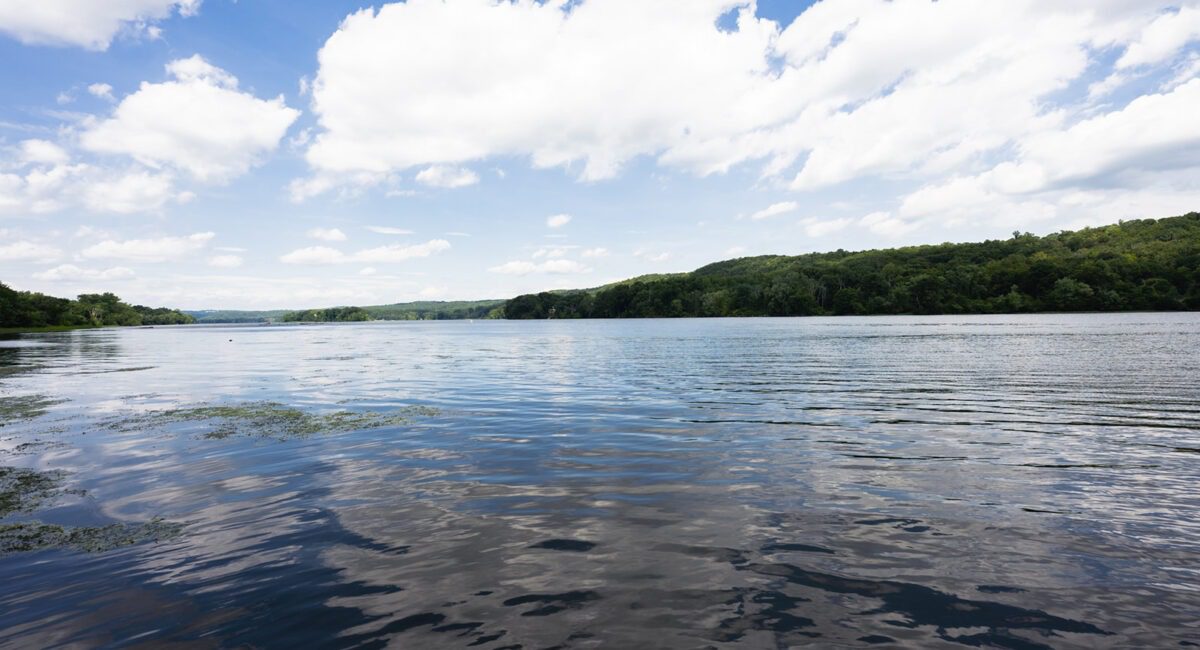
[{"x": 998, "y": 481}]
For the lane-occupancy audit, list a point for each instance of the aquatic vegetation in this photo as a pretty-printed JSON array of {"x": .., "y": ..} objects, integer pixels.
[
  {"x": 26, "y": 490},
  {"x": 35, "y": 446},
  {"x": 16, "y": 408},
  {"x": 36, "y": 536},
  {"x": 270, "y": 420}
]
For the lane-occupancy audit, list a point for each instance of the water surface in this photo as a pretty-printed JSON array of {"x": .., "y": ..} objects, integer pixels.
[{"x": 994, "y": 481}]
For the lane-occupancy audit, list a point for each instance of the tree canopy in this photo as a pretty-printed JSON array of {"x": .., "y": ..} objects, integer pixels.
[
  {"x": 1147, "y": 264},
  {"x": 30, "y": 309}
]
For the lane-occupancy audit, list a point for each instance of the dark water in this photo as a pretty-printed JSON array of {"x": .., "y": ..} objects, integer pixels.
[{"x": 1013, "y": 482}]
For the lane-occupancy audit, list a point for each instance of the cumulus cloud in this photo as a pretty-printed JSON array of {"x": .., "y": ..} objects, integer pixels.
[
  {"x": 381, "y": 255},
  {"x": 447, "y": 176},
  {"x": 327, "y": 234},
  {"x": 885, "y": 224},
  {"x": 775, "y": 210},
  {"x": 594, "y": 253},
  {"x": 102, "y": 90},
  {"x": 558, "y": 220},
  {"x": 814, "y": 227},
  {"x": 161, "y": 249},
  {"x": 652, "y": 256},
  {"x": 197, "y": 126},
  {"x": 555, "y": 266},
  {"x": 1148, "y": 143},
  {"x": 388, "y": 230},
  {"x": 850, "y": 89},
  {"x": 25, "y": 251},
  {"x": 72, "y": 273},
  {"x": 89, "y": 24},
  {"x": 198, "y": 122},
  {"x": 43, "y": 152},
  {"x": 134, "y": 191},
  {"x": 225, "y": 261}
]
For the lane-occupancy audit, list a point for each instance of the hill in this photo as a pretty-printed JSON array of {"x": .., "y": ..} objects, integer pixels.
[
  {"x": 29, "y": 310},
  {"x": 1146, "y": 264},
  {"x": 420, "y": 310}
]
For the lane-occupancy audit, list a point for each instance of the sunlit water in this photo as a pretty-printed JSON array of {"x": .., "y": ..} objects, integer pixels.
[{"x": 996, "y": 481}]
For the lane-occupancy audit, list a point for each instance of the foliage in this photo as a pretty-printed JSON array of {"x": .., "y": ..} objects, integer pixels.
[
  {"x": 331, "y": 315},
  {"x": 1146, "y": 264},
  {"x": 29, "y": 309},
  {"x": 422, "y": 310}
]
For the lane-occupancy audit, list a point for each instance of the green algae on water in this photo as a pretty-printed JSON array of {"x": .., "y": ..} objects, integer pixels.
[
  {"x": 26, "y": 490},
  {"x": 36, "y": 536},
  {"x": 269, "y": 420},
  {"x": 17, "y": 408}
]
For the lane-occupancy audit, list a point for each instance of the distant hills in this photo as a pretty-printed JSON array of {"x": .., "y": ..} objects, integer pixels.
[
  {"x": 420, "y": 310},
  {"x": 1147, "y": 264}
]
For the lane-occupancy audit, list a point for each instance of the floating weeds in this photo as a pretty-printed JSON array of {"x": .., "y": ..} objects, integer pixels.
[
  {"x": 36, "y": 536},
  {"x": 36, "y": 446},
  {"x": 16, "y": 408},
  {"x": 270, "y": 420},
  {"x": 25, "y": 490}
]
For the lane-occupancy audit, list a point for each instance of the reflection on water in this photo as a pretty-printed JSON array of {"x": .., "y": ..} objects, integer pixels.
[{"x": 1013, "y": 482}]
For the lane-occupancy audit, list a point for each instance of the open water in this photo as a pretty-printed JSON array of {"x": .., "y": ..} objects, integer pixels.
[{"x": 985, "y": 481}]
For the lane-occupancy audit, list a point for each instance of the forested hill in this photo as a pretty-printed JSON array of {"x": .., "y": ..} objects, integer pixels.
[
  {"x": 1146, "y": 264},
  {"x": 26, "y": 309},
  {"x": 421, "y": 310}
]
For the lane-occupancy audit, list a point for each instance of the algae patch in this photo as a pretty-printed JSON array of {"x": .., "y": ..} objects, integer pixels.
[
  {"x": 15, "y": 408},
  {"x": 269, "y": 420},
  {"x": 26, "y": 490},
  {"x": 36, "y": 536}
]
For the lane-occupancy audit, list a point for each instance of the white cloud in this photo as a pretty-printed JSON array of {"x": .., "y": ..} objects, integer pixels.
[
  {"x": 389, "y": 254},
  {"x": 735, "y": 251},
  {"x": 327, "y": 234},
  {"x": 388, "y": 230},
  {"x": 43, "y": 152},
  {"x": 432, "y": 292},
  {"x": 135, "y": 191},
  {"x": 225, "y": 261},
  {"x": 447, "y": 176},
  {"x": 162, "y": 249},
  {"x": 814, "y": 227},
  {"x": 72, "y": 273},
  {"x": 774, "y": 210},
  {"x": 558, "y": 220},
  {"x": 102, "y": 90},
  {"x": 555, "y": 266},
  {"x": 90, "y": 24},
  {"x": 1129, "y": 149},
  {"x": 552, "y": 252},
  {"x": 1162, "y": 38},
  {"x": 379, "y": 255},
  {"x": 314, "y": 255},
  {"x": 383, "y": 103},
  {"x": 198, "y": 122},
  {"x": 651, "y": 256},
  {"x": 24, "y": 251},
  {"x": 370, "y": 270},
  {"x": 909, "y": 90},
  {"x": 593, "y": 253},
  {"x": 883, "y": 223}
]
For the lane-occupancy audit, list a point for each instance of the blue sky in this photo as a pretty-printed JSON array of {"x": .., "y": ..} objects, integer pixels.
[{"x": 266, "y": 154}]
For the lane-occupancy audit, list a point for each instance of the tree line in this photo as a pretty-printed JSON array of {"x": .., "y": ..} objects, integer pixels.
[
  {"x": 31, "y": 309},
  {"x": 1147, "y": 264}
]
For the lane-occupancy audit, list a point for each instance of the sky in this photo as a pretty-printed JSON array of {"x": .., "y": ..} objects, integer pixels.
[{"x": 263, "y": 154}]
